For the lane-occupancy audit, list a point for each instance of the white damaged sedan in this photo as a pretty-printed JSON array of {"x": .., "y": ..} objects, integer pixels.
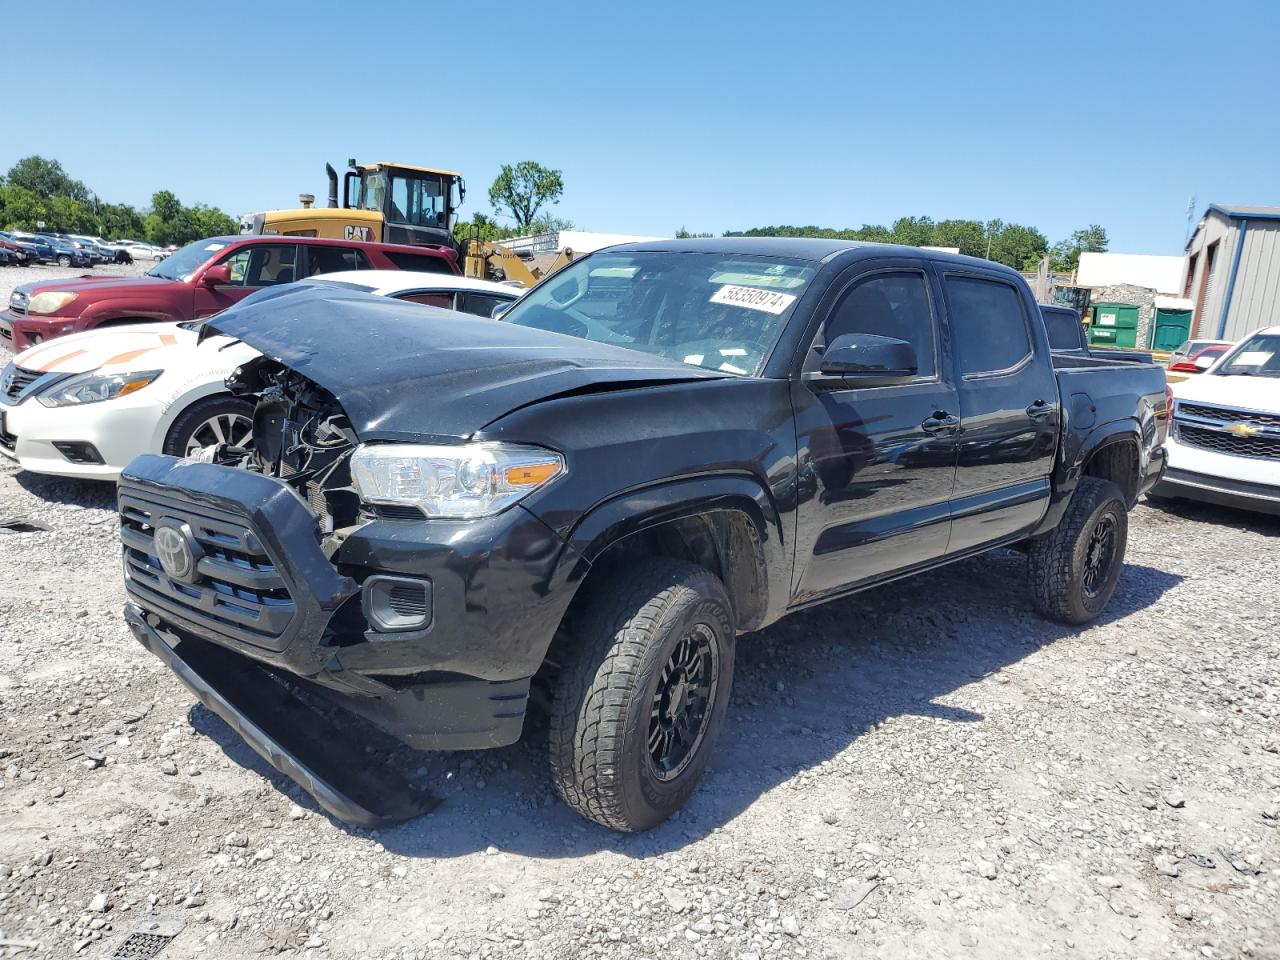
[{"x": 87, "y": 404}]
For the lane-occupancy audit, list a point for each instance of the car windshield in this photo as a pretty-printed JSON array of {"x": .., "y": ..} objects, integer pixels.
[
  {"x": 1259, "y": 356},
  {"x": 182, "y": 263},
  {"x": 719, "y": 311}
]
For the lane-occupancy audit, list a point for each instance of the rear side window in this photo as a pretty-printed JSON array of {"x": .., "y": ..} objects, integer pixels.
[
  {"x": 423, "y": 263},
  {"x": 889, "y": 305},
  {"x": 1065, "y": 332},
  {"x": 431, "y": 299},
  {"x": 335, "y": 259},
  {"x": 988, "y": 325}
]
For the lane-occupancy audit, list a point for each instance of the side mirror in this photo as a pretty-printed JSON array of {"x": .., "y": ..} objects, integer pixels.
[
  {"x": 498, "y": 310},
  {"x": 866, "y": 360},
  {"x": 216, "y": 276},
  {"x": 1204, "y": 363}
]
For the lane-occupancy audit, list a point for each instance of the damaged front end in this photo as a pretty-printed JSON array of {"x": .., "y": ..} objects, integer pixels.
[{"x": 284, "y": 601}]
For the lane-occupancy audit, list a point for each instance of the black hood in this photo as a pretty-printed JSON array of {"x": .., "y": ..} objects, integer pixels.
[{"x": 403, "y": 371}]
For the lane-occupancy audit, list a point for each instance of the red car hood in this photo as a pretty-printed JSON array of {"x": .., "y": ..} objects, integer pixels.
[{"x": 94, "y": 285}]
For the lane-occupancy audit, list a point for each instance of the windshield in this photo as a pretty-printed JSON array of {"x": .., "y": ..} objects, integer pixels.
[
  {"x": 184, "y": 262},
  {"x": 416, "y": 201},
  {"x": 1259, "y": 356},
  {"x": 719, "y": 311}
]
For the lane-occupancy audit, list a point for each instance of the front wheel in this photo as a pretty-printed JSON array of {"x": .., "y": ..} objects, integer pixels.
[
  {"x": 208, "y": 423},
  {"x": 639, "y": 705},
  {"x": 64, "y": 260},
  {"x": 1075, "y": 568}
]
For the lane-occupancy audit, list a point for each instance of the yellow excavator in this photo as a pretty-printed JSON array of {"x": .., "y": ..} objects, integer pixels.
[{"x": 387, "y": 202}]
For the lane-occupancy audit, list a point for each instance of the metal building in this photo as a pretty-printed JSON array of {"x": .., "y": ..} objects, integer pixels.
[{"x": 1233, "y": 271}]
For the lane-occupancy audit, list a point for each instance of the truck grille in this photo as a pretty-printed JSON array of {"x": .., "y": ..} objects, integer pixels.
[
  {"x": 18, "y": 304},
  {"x": 15, "y": 379},
  {"x": 235, "y": 593},
  {"x": 1240, "y": 433}
]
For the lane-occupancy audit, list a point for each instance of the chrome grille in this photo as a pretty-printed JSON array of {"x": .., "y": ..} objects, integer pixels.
[
  {"x": 16, "y": 379},
  {"x": 18, "y": 303},
  {"x": 1227, "y": 415},
  {"x": 1266, "y": 448},
  {"x": 237, "y": 593}
]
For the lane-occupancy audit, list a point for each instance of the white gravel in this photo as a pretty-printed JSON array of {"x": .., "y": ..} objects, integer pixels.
[{"x": 926, "y": 771}]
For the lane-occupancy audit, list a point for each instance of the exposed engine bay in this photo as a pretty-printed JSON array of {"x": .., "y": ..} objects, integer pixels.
[{"x": 301, "y": 436}]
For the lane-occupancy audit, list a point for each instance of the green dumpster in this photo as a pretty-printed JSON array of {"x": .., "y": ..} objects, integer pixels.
[
  {"x": 1114, "y": 325},
  {"x": 1172, "y": 328}
]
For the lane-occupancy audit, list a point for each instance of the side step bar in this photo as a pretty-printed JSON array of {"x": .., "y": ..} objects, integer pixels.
[{"x": 329, "y": 762}]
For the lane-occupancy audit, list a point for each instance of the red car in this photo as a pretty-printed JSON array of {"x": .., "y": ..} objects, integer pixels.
[{"x": 198, "y": 280}]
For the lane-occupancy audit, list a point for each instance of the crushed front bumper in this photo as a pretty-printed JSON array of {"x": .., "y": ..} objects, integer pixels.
[{"x": 329, "y": 763}]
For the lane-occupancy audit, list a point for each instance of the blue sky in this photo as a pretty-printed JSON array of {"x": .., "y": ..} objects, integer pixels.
[{"x": 710, "y": 115}]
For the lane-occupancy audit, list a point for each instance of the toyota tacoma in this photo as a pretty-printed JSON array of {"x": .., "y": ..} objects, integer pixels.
[{"x": 660, "y": 448}]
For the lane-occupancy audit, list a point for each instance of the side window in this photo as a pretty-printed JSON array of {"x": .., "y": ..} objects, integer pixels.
[
  {"x": 428, "y": 298},
  {"x": 988, "y": 324},
  {"x": 481, "y": 304},
  {"x": 889, "y": 305},
  {"x": 334, "y": 259},
  {"x": 421, "y": 262},
  {"x": 263, "y": 265}
]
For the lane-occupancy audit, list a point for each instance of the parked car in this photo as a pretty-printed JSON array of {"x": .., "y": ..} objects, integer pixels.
[
  {"x": 1195, "y": 357},
  {"x": 142, "y": 251},
  {"x": 1067, "y": 336},
  {"x": 1224, "y": 445},
  {"x": 88, "y": 404},
  {"x": 66, "y": 254},
  {"x": 15, "y": 252},
  {"x": 201, "y": 278},
  {"x": 99, "y": 252},
  {"x": 44, "y": 251},
  {"x": 659, "y": 447},
  {"x": 115, "y": 251}
]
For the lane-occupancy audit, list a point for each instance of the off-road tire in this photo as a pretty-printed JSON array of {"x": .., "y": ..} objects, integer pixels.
[
  {"x": 175, "y": 442},
  {"x": 622, "y": 640},
  {"x": 1058, "y": 560}
]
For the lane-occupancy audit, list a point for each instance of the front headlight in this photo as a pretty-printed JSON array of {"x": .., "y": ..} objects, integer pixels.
[
  {"x": 454, "y": 482},
  {"x": 50, "y": 302},
  {"x": 95, "y": 387}
]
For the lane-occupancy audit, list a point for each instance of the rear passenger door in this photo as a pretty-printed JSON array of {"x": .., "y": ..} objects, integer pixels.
[
  {"x": 326, "y": 259},
  {"x": 1008, "y": 409},
  {"x": 876, "y": 464}
]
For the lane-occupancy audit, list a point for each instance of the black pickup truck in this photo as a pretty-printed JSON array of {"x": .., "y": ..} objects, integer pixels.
[
  {"x": 1067, "y": 337},
  {"x": 658, "y": 449}
]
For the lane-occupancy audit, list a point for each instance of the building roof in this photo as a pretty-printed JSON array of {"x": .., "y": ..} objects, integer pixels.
[
  {"x": 1158, "y": 273},
  {"x": 1246, "y": 210}
]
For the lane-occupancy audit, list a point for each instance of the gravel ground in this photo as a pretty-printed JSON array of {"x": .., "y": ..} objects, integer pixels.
[{"x": 926, "y": 771}]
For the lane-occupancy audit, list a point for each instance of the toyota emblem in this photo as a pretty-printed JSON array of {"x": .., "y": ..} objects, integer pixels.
[{"x": 176, "y": 550}]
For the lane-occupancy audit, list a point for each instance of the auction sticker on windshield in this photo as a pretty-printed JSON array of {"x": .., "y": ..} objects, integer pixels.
[{"x": 770, "y": 301}]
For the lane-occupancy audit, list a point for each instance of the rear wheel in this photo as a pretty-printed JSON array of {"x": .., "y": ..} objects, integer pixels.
[
  {"x": 639, "y": 705},
  {"x": 210, "y": 422},
  {"x": 1074, "y": 569}
]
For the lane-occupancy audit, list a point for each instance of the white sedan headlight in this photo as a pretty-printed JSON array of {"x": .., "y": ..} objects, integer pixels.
[
  {"x": 457, "y": 482},
  {"x": 95, "y": 387},
  {"x": 49, "y": 302}
]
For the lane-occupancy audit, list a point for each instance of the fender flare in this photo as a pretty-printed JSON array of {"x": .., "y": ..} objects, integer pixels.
[
  {"x": 635, "y": 511},
  {"x": 1076, "y": 456},
  {"x": 108, "y": 311}
]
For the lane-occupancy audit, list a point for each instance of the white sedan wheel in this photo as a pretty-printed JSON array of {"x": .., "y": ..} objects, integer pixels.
[{"x": 229, "y": 428}]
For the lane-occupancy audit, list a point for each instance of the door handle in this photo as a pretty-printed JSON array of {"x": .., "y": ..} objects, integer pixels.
[
  {"x": 1039, "y": 410},
  {"x": 940, "y": 422}
]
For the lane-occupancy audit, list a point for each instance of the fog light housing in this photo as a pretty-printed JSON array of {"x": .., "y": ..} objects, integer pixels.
[
  {"x": 79, "y": 451},
  {"x": 397, "y": 604}
]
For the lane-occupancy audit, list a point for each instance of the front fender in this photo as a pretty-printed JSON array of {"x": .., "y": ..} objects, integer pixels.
[
  {"x": 635, "y": 511},
  {"x": 107, "y": 311}
]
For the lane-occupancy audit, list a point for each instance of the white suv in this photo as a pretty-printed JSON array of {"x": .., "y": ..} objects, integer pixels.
[{"x": 1224, "y": 446}]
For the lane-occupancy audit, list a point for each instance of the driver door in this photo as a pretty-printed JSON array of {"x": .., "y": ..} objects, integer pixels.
[
  {"x": 879, "y": 463},
  {"x": 252, "y": 268}
]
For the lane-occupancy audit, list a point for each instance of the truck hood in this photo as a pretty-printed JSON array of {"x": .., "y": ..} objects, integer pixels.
[
  {"x": 94, "y": 285},
  {"x": 403, "y": 371},
  {"x": 1248, "y": 393},
  {"x": 116, "y": 349}
]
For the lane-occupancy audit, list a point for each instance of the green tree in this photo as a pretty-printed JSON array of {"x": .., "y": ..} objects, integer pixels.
[
  {"x": 1017, "y": 246},
  {"x": 684, "y": 234},
  {"x": 212, "y": 222},
  {"x": 970, "y": 236},
  {"x": 46, "y": 179},
  {"x": 117, "y": 220},
  {"x": 20, "y": 209},
  {"x": 523, "y": 189},
  {"x": 165, "y": 205},
  {"x": 1065, "y": 257},
  {"x": 70, "y": 216},
  {"x": 913, "y": 231}
]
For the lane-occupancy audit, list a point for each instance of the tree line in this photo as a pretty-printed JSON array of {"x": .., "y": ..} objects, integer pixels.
[
  {"x": 38, "y": 190},
  {"x": 1012, "y": 244}
]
